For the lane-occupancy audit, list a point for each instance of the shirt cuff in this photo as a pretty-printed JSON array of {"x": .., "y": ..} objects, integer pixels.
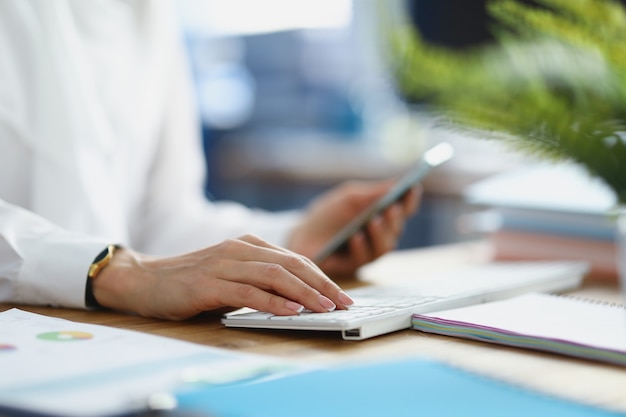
[{"x": 55, "y": 269}]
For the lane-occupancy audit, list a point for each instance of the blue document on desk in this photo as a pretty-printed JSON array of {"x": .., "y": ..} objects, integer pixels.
[{"x": 401, "y": 388}]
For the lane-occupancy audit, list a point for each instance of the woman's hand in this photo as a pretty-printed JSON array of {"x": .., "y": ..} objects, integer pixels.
[
  {"x": 249, "y": 272},
  {"x": 333, "y": 210},
  {"x": 236, "y": 273}
]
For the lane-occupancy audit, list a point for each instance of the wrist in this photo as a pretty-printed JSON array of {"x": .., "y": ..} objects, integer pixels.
[{"x": 116, "y": 283}]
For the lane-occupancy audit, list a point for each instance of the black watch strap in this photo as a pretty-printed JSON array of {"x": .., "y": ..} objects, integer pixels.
[{"x": 98, "y": 264}]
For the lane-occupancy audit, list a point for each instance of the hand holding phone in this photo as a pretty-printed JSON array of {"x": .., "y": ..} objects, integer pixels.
[{"x": 433, "y": 157}]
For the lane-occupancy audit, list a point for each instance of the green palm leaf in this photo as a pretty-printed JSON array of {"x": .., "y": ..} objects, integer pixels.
[{"x": 554, "y": 85}]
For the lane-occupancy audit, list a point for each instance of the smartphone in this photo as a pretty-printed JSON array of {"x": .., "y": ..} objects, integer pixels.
[{"x": 433, "y": 157}]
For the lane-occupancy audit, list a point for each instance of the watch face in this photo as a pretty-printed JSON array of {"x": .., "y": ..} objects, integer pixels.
[
  {"x": 101, "y": 261},
  {"x": 101, "y": 255}
]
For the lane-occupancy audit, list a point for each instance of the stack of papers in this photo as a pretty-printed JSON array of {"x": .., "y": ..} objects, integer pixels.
[{"x": 547, "y": 211}]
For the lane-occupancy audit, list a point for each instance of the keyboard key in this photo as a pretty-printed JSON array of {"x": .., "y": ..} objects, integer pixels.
[{"x": 250, "y": 316}]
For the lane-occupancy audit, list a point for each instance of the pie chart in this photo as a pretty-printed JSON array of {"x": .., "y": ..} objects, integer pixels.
[{"x": 65, "y": 336}]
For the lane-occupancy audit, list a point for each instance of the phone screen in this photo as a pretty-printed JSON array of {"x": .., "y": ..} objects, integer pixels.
[{"x": 433, "y": 157}]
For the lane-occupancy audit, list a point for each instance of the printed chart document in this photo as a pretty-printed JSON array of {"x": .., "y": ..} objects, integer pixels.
[
  {"x": 58, "y": 367},
  {"x": 560, "y": 324}
]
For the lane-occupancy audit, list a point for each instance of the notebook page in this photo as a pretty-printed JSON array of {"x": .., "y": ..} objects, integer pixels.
[{"x": 549, "y": 317}]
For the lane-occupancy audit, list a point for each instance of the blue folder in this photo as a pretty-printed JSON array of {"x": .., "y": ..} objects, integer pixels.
[{"x": 408, "y": 387}]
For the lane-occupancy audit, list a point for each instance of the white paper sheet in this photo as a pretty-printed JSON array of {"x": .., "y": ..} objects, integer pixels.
[{"x": 56, "y": 366}]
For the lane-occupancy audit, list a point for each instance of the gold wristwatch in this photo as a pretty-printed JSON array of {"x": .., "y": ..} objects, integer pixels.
[{"x": 98, "y": 264}]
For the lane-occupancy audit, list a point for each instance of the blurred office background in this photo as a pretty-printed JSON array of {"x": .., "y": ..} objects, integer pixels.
[{"x": 295, "y": 96}]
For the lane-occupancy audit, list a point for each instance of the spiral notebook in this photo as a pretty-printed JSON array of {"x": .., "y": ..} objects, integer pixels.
[{"x": 555, "y": 323}]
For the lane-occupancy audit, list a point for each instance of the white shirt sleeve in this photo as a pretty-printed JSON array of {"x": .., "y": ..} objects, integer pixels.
[
  {"x": 41, "y": 263},
  {"x": 176, "y": 216},
  {"x": 99, "y": 144}
]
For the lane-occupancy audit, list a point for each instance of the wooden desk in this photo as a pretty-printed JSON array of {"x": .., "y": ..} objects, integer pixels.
[{"x": 590, "y": 382}]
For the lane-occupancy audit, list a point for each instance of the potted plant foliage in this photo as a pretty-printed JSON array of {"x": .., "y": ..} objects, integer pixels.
[{"x": 553, "y": 85}]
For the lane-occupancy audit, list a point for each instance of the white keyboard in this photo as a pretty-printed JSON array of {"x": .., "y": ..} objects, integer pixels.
[
  {"x": 378, "y": 310},
  {"x": 386, "y": 306},
  {"x": 388, "y": 313}
]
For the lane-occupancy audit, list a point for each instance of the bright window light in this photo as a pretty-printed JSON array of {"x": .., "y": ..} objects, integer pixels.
[{"x": 241, "y": 17}]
